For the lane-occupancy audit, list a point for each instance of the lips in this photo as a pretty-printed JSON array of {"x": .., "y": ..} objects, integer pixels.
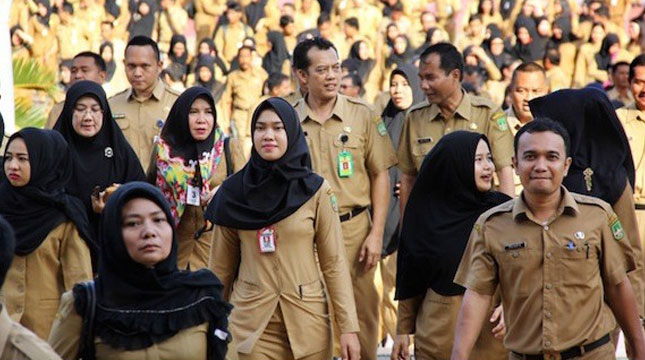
[
  {"x": 13, "y": 176},
  {"x": 148, "y": 248}
]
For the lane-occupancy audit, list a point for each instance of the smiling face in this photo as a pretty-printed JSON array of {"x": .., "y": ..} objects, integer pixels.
[
  {"x": 541, "y": 162},
  {"x": 147, "y": 234},
  {"x": 16, "y": 163},
  {"x": 484, "y": 167},
  {"x": 638, "y": 86},
  {"x": 87, "y": 117},
  {"x": 269, "y": 136},
  {"x": 200, "y": 119}
]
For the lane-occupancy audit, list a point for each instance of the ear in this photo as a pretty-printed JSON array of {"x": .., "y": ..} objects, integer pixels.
[
  {"x": 567, "y": 165},
  {"x": 455, "y": 74},
  {"x": 102, "y": 76},
  {"x": 302, "y": 75},
  {"x": 514, "y": 158}
]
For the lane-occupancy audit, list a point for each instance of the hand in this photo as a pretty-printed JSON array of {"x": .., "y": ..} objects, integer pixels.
[
  {"x": 98, "y": 201},
  {"x": 371, "y": 250},
  {"x": 350, "y": 348},
  {"x": 206, "y": 198},
  {"x": 397, "y": 189},
  {"x": 500, "y": 329},
  {"x": 401, "y": 348}
]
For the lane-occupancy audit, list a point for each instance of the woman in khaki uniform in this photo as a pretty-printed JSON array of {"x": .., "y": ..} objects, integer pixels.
[
  {"x": 276, "y": 221},
  {"x": 53, "y": 236},
  {"x": 143, "y": 307},
  {"x": 188, "y": 164},
  {"x": 438, "y": 220},
  {"x": 585, "y": 57}
]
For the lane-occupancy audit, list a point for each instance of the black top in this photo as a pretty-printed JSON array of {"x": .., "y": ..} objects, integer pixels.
[
  {"x": 603, "y": 57},
  {"x": 35, "y": 209},
  {"x": 102, "y": 160},
  {"x": 139, "y": 306},
  {"x": 439, "y": 217},
  {"x": 264, "y": 192},
  {"x": 365, "y": 66},
  {"x": 598, "y": 141},
  {"x": 178, "y": 38},
  {"x": 273, "y": 60}
]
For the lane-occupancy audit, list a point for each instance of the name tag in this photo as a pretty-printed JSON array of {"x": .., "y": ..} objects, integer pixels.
[
  {"x": 266, "y": 239},
  {"x": 345, "y": 164},
  {"x": 515, "y": 246},
  {"x": 193, "y": 196},
  {"x": 424, "y": 140},
  {"x": 118, "y": 116}
]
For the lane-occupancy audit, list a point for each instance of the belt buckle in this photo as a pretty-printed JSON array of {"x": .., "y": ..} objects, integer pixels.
[
  {"x": 351, "y": 214},
  {"x": 552, "y": 355}
]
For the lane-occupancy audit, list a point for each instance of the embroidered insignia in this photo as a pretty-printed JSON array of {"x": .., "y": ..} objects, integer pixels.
[
  {"x": 617, "y": 230},
  {"x": 109, "y": 152},
  {"x": 579, "y": 235},
  {"x": 382, "y": 130}
]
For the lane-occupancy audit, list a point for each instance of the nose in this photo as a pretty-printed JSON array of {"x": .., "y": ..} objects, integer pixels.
[
  {"x": 540, "y": 164},
  {"x": 12, "y": 164},
  {"x": 147, "y": 231}
]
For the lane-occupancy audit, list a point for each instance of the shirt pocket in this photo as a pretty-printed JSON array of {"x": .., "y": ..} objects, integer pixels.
[
  {"x": 579, "y": 266},
  {"x": 422, "y": 146},
  {"x": 123, "y": 123},
  {"x": 312, "y": 297},
  {"x": 519, "y": 270},
  {"x": 355, "y": 144}
]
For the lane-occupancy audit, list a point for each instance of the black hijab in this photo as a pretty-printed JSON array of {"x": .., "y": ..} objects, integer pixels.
[
  {"x": 218, "y": 61},
  {"x": 141, "y": 24},
  {"x": 563, "y": 23},
  {"x": 603, "y": 57},
  {"x": 411, "y": 74},
  {"x": 400, "y": 59},
  {"x": 217, "y": 88},
  {"x": 178, "y": 38},
  {"x": 139, "y": 306},
  {"x": 264, "y": 192},
  {"x": 35, "y": 209},
  {"x": 254, "y": 11},
  {"x": 273, "y": 60},
  {"x": 44, "y": 19},
  {"x": 110, "y": 66},
  {"x": 102, "y": 160},
  {"x": 598, "y": 140},
  {"x": 504, "y": 57},
  {"x": 533, "y": 51},
  {"x": 365, "y": 66},
  {"x": 439, "y": 217},
  {"x": 176, "y": 132}
]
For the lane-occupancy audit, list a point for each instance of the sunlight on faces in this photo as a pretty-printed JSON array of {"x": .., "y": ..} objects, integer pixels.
[
  {"x": 484, "y": 167},
  {"x": 541, "y": 162},
  {"x": 85, "y": 68},
  {"x": 87, "y": 117},
  {"x": 435, "y": 83},
  {"x": 141, "y": 67},
  {"x": 17, "y": 168},
  {"x": 527, "y": 86},
  {"x": 147, "y": 234},
  {"x": 401, "y": 92},
  {"x": 322, "y": 77},
  {"x": 269, "y": 136},
  {"x": 200, "y": 119},
  {"x": 638, "y": 86}
]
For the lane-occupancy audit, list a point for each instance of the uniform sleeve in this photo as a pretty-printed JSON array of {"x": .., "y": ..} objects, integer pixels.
[
  {"x": 331, "y": 253},
  {"x": 237, "y": 155},
  {"x": 407, "y": 315},
  {"x": 379, "y": 155},
  {"x": 477, "y": 270},
  {"x": 616, "y": 259},
  {"x": 76, "y": 262},
  {"x": 500, "y": 138},
  {"x": 225, "y": 257},
  {"x": 404, "y": 151},
  {"x": 65, "y": 335}
]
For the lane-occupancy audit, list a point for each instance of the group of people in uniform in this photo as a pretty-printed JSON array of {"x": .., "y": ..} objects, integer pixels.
[{"x": 139, "y": 229}]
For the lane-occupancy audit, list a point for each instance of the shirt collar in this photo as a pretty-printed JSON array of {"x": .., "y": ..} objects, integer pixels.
[
  {"x": 513, "y": 122},
  {"x": 337, "y": 112},
  {"x": 463, "y": 109},
  {"x": 5, "y": 327},
  {"x": 157, "y": 92},
  {"x": 567, "y": 203}
]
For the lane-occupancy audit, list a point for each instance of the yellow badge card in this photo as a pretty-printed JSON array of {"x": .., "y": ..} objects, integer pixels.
[{"x": 345, "y": 164}]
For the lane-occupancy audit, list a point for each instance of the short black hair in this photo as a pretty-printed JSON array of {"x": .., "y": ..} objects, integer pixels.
[
  {"x": 141, "y": 40},
  {"x": 474, "y": 17},
  {"x": 285, "y": 20},
  {"x": 603, "y": 11},
  {"x": 544, "y": 124},
  {"x": 527, "y": 67},
  {"x": 98, "y": 60},
  {"x": 233, "y": 5},
  {"x": 638, "y": 61},
  {"x": 276, "y": 79},
  {"x": 300, "y": 53},
  {"x": 68, "y": 8},
  {"x": 553, "y": 54},
  {"x": 353, "y": 22},
  {"x": 323, "y": 18},
  {"x": 7, "y": 248},
  {"x": 249, "y": 48},
  {"x": 356, "y": 80},
  {"x": 615, "y": 66},
  {"x": 449, "y": 57}
]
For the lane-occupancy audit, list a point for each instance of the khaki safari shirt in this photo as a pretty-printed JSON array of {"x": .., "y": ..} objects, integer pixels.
[
  {"x": 551, "y": 274},
  {"x": 367, "y": 141},
  {"x": 424, "y": 125},
  {"x": 18, "y": 343},
  {"x": 633, "y": 121},
  {"x": 141, "y": 121}
]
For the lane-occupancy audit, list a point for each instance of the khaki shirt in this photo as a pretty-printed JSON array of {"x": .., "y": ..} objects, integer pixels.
[
  {"x": 171, "y": 21},
  {"x": 626, "y": 99},
  {"x": 65, "y": 338},
  {"x": 551, "y": 274},
  {"x": 424, "y": 125},
  {"x": 244, "y": 88},
  {"x": 229, "y": 38},
  {"x": 557, "y": 79},
  {"x": 141, "y": 121},
  {"x": 54, "y": 113},
  {"x": 18, "y": 343},
  {"x": 72, "y": 39},
  {"x": 33, "y": 286},
  {"x": 289, "y": 277},
  {"x": 515, "y": 125},
  {"x": 368, "y": 142},
  {"x": 633, "y": 121}
]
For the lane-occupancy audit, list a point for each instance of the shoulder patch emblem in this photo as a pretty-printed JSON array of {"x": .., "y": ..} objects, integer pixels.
[
  {"x": 334, "y": 202},
  {"x": 500, "y": 119},
  {"x": 382, "y": 130},
  {"x": 617, "y": 230}
]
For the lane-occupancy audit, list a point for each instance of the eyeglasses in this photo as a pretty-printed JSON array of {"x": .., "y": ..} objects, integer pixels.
[{"x": 91, "y": 111}]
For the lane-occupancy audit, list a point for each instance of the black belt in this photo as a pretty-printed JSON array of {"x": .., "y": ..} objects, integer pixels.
[
  {"x": 569, "y": 353},
  {"x": 640, "y": 206},
  {"x": 351, "y": 214}
]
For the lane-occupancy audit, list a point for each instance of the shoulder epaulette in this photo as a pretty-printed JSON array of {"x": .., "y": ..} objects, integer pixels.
[
  {"x": 590, "y": 200},
  {"x": 419, "y": 106},
  {"x": 120, "y": 93},
  {"x": 482, "y": 101}
]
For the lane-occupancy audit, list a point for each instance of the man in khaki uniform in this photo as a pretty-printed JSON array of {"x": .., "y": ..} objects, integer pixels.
[
  {"x": 351, "y": 149},
  {"x": 555, "y": 76},
  {"x": 243, "y": 90},
  {"x": 142, "y": 109},
  {"x": 172, "y": 20},
  {"x": 559, "y": 259},
  {"x": 16, "y": 341},
  {"x": 229, "y": 37},
  {"x": 85, "y": 66},
  {"x": 447, "y": 108},
  {"x": 632, "y": 116},
  {"x": 71, "y": 35},
  {"x": 621, "y": 91}
]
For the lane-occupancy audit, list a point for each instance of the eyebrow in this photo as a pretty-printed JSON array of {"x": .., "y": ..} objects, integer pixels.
[
  {"x": 18, "y": 153},
  {"x": 137, "y": 215}
]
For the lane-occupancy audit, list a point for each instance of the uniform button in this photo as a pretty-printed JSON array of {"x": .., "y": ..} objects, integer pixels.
[
  {"x": 20, "y": 288},
  {"x": 448, "y": 130},
  {"x": 549, "y": 286},
  {"x": 547, "y": 315},
  {"x": 515, "y": 255},
  {"x": 547, "y": 343},
  {"x": 546, "y": 227},
  {"x": 549, "y": 255}
]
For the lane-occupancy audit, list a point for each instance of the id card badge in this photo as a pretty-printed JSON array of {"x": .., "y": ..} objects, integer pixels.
[
  {"x": 193, "y": 196},
  {"x": 266, "y": 239},
  {"x": 345, "y": 164}
]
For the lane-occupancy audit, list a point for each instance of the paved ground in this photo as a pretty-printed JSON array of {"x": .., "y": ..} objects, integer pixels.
[{"x": 384, "y": 352}]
